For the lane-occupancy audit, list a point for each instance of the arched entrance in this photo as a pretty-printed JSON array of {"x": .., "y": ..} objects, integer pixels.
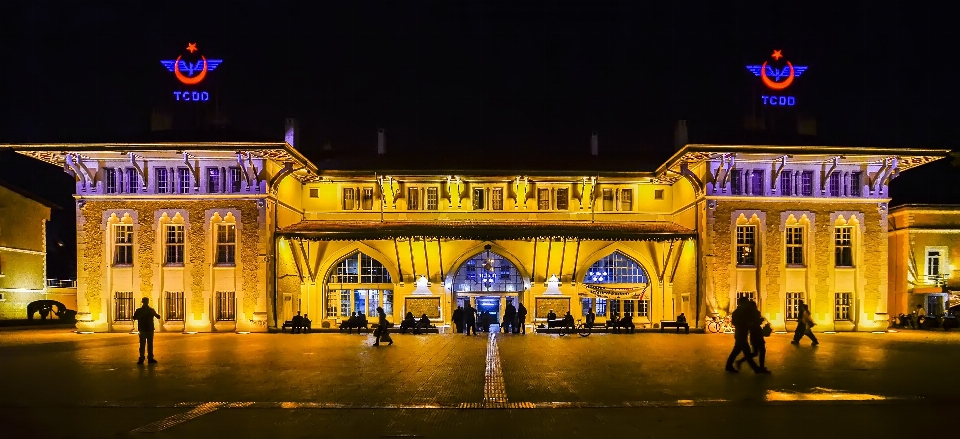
[
  {"x": 358, "y": 283},
  {"x": 488, "y": 282},
  {"x": 617, "y": 286}
]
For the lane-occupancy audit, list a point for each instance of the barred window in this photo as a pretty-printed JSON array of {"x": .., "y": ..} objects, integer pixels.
[
  {"x": 756, "y": 182},
  {"x": 736, "y": 182},
  {"x": 174, "y": 241},
  {"x": 173, "y": 305},
  {"x": 213, "y": 180},
  {"x": 614, "y": 306},
  {"x": 478, "y": 203},
  {"x": 793, "y": 305},
  {"x": 413, "y": 198},
  {"x": 226, "y": 244},
  {"x": 496, "y": 199},
  {"x": 626, "y": 200},
  {"x": 366, "y": 199},
  {"x": 749, "y": 295},
  {"x": 835, "y": 184},
  {"x": 183, "y": 180},
  {"x": 616, "y": 268},
  {"x": 349, "y": 198},
  {"x": 842, "y": 306},
  {"x": 601, "y": 307},
  {"x": 110, "y": 180},
  {"x": 843, "y": 241},
  {"x": 856, "y": 185},
  {"x": 563, "y": 198},
  {"x": 607, "y": 200},
  {"x": 794, "y": 245},
  {"x": 123, "y": 306},
  {"x": 806, "y": 183},
  {"x": 487, "y": 271},
  {"x": 543, "y": 199},
  {"x": 133, "y": 178},
  {"x": 162, "y": 181},
  {"x": 643, "y": 308},
  {"x": 746, "y": 245},
  {"x": 226, "y": 306},
  {"x": 236, "y": 177},
  {"x": 786, "y": 183},
  {"x": 433, "y": 198},
  {"x": 123, "y": 244},
  {"x": 359, "y": 268}
]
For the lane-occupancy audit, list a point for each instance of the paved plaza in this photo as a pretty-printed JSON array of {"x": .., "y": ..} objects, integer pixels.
[{"x": 61, "y": 384}]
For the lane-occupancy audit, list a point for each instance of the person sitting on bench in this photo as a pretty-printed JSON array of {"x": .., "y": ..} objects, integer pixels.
[
  {"x": 408, "y": 323},
  {"x": 423, "y": 323},
  {"x": 681, "y": 319},
  {"x": 568, "y": 321},
  {"x": 350, "y": 323},
  {"x": 627, "y": 323},
  {"x": 361, "y": 321},
  {"x": 305, "y": 324},
  {"x": 591, "y": 318},
  {"x": 297, "y": 323},
  {"x": 614, "y": 323}
]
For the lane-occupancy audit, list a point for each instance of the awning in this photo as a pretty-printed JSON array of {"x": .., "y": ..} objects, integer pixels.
[{"x": 488, "y": 230}]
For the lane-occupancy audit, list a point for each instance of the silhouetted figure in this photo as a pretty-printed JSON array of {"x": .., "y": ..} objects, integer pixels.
[
  {"x": 627, "y": 324},
  {"x": 551, "y": 316},
  {"x": 509, "y": 318},
  {"x": 305, "y": 324},
  {"x": 485, "y": 320},
  {"x": 382, "y": 333},
  {"x": 297, "y": 322},
  {"x": 408, "y": 323},
  {"x": 681, "y": 319},
  {"x": 615, "y": 323},
  {"x": 361, "y": 321},
  {"x": 756, "y": 337},
  {"x": 458, "y": 319},
  {"x": 920, "y": 316},
  {"x": 804, "y": 325},
  {"x": 423, "y": 323},
  {"x": 144, "y": 317},
  {"x": 521, "y": 319},
  {"x": 591, "y": 318},
  {"x": 470, "y": 319},
  {"x": 350, "y": 323},
  {"x": 568, "y": 322},
  {"x": 742, "y": 318}
]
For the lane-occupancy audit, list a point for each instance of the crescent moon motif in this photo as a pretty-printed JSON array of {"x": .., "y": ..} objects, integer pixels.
[
  {"x": 203, "y": 73},
  {"x": 763, "y": 74}
]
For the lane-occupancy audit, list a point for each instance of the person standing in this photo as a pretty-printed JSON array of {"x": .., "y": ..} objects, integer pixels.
[
  {"x": 742, "y": 318},
  {"x": 144, "y": 317},
  {"x": 804, "y": 325},
  {"x": 470, "y": 319},
  {"x": 382, "y": 333},
  {"x": 591, "y": 318},
  {"x": 458, "y": 319},
  {"x": 521, "y": 319},
  {"x": 921, "y": 316},
  {"x": 509, "y": 318}
]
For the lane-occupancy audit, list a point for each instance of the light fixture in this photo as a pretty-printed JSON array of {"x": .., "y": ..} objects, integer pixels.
[
  {"x": 879, "y": 332},
  {"x": 892, "y": 330},
  {"x": 829, "y": 332},
  {"x": 84, "y": 332},
  {"x": 243, "y": 332},
  {"x": 190, "y": 332}
]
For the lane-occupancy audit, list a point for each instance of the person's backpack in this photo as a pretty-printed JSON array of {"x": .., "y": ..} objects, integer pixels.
[{"x": 767, "y": 329}]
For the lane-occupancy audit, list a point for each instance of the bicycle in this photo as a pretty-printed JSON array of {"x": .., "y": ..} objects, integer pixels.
[
  {"x": 580, "y": 328},
  {"x": 719, "y": 325}
]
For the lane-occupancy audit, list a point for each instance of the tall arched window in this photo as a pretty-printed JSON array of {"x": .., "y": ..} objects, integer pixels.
[
  {"x": 487, "y": 271},
  {"x": 617, "y": 271},
  {"x": 359, "y": 283}
]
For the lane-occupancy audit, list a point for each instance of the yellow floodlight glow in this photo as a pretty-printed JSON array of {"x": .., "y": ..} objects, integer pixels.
[
  {"x": 780, "y": 332},
  {"x": 892, "y": 330},
  {"x": 243, "y": 332},
  {"x": 829, "y": 332},
  {"x": 879, "y": 332},
  {"x": 84, "y": 332},
  {"x": 821, "y": 395},
  {"x": 190, "y": 332}
]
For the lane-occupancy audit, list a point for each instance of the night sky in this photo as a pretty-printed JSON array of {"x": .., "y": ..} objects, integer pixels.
[{"x": 481, "y": 77}]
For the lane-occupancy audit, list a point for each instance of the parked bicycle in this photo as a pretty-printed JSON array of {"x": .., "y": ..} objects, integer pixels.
[
  {"x": 580, "y": 328},
  {"x": 716, "y": 324}
]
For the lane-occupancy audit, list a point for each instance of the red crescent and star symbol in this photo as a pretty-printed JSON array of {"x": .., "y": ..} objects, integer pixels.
[{"x": 777, "y": 79}]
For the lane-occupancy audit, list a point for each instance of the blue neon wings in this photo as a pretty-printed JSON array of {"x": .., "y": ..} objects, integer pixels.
[
  {"x": 755, "y": 69},
  {"x": 212, "y": 65}
]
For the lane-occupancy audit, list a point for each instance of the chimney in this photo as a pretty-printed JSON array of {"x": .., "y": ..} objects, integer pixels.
[
  {"x": 291, "y": 134},
  {"x": 594, "y": 144},
  {"x": 680, "y": 136},
  {"x": 381, "y": 142}
]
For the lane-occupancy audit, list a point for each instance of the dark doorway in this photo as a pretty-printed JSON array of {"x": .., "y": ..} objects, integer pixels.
[{"x": 490, "y": 305}]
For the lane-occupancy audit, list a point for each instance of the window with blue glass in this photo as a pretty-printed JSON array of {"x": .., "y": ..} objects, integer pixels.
[
  {"x": 617, "y": 268},
  {"x": 358, "y": 284},
  {"x": 487, "y": 271}
]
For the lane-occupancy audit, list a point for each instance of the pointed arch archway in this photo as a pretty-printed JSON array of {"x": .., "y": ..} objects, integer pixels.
[
  {"x": 490, "y": 282},
  {"x": 357, "y": 283},
  {"x": 617, "y": 284}
]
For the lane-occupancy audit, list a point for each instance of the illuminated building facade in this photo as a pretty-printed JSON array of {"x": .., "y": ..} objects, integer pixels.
[
  {"x": 242, "y": 236},
  {"x": 924, "y": 258}
]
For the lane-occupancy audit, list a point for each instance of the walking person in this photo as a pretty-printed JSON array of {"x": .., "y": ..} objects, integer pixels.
[
  {"x": 381, "y": 333},
  {"x": 741, "y": 319},
  {"x": 470, "y": 319},
  {"x": 757, "y": 332},
  {"x": 521, "y": 319},
  {"x": 509, "y": 318},
  {"x": 144, "y": 317},
  {"x": 804, "y": 325}
]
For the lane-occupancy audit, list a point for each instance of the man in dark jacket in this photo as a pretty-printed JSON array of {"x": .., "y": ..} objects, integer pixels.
[
  {"x": 144, "y": 317},
  {"x": 458, "y": 319},
  {"x": 521, "y": 318},
  {"x": 509, "y": 318},
  {"x": 470, "y": 319},
  {"x": 742, "y": 319}
]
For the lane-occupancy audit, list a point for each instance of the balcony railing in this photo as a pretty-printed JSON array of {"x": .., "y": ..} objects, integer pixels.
[{"x": 61, "y": 283}]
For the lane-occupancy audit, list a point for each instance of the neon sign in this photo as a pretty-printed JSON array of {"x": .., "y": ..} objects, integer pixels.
[
  {"x": 777, "y": 79},
  {"x": 191, "y": 73}
]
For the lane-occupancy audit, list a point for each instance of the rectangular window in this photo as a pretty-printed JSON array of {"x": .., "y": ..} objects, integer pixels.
[
  {"x": 478, "y": 203},
  {"x": 563, "y": 199},
  {"x": 746, "y": 245},
  {"x": 795, "y": 245},
  {"x": 842, "y": 308},
  {"x": 349, "y": 198},
  {"x": 856, "y": 185},
  {"x": 174, "y": 244},
  {"x": 658, "y": 194},
  {"x": 314, "y": 192},
  {"x": 123, "y": 306},
  {"x": 496, "y": 199},
  {"x": 585, "y": 305},
  {"x": 736, "y": 182},
  {"x": 333, "y": 303},
  {"x": 806, "y": 183},
  {"x": 433, "y": 198},
  {"x": 213, "y": 180},
  {"x": 236, "y": 178},
  {"x": 786, "y": 183},
  {"x": 413, "y": 198},
  {"x": 344, "y": 303},
  {"x": 226, "y": 244},
  {"x": 843, "y": 240},
  {"x": 793, "y": 305},
  {"x": 643, "y": 308},
  {"x": 183, "y": 180},
  {"x": 614, "y": 307},
  {"x": 360, "y": 301},
  {"x": 626, "y": 200},
  {"x": 123, "y": 244},
  {"x": 749, "y": 295},
  {"x": 608, "y": 200},
  {"x": 162, "y": 182},
  {"x": 601, "y": 307},
  {"x": 628, "y": 308},
  {"x": 173, "y": 306},
  {"x": 133, "y": 178},
  {"x": 366, "y": 199},
  {"x": 226, "y": 306},
  {"x": 110, "y": 180},
  {"x": 543, "y": 199},
  {"x": 835, "y": 184},
  {"x": 934, "y": 261},
  {"x": 756, "y": 182}
]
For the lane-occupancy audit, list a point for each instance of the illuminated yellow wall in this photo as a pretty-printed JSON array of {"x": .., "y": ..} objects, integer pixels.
[
  {"x": 914, "y": 229},
  {"x": 22, "y": 252}
]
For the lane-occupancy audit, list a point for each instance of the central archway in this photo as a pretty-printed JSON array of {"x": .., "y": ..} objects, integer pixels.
[
  {"x": 623, "y": 276},
  {"x": 489, "y": 282}
]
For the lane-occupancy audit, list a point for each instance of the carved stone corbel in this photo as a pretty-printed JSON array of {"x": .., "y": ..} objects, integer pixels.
[{"x": 692, "y": 178}]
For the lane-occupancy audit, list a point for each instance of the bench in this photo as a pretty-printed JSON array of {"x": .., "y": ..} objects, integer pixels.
[
  {"x": 674, "y": 324},
  {"x": 289, "y": 324},
  {"x": 350, "y": 328}
]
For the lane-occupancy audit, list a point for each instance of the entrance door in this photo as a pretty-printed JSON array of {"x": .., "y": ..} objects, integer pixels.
[
  {"x": 491, "y": 306},
  {"x": 935, "y": 304}
]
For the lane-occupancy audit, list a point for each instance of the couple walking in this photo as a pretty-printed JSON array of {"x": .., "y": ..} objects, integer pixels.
[{"x": 750, "y": 328}]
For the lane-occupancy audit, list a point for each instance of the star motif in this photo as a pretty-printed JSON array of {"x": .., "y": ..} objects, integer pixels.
[
  {"x": 776, "y": 55},
  {"x": 192, "y": 47}
]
